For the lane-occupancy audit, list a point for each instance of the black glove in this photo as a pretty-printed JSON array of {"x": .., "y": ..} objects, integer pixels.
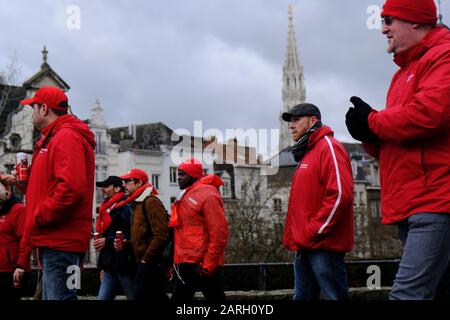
[{"x": 357, "y": 122}]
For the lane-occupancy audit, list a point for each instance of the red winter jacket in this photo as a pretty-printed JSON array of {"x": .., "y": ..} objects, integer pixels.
[
  {"x": 201, "y": 231},
  {"x": 320, "y": 211},
  {"x": 60, "y": 189},
  {"x": 11, "y": 229},
  {"x": 414, "y": 130}
]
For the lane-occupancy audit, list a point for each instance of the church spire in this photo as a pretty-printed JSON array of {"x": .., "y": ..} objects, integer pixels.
[{"x": 293, "y": 91}]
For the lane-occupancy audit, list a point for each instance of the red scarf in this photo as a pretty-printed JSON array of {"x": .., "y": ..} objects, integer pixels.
[
  {"x": 137, "y": 193},
  {"x": 210, "y": 179},
  {"x": 104, "y": 218}
]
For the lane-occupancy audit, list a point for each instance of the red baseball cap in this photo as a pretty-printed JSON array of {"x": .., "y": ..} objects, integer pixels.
[
  {"x": 50, "y": 96},
  {"x": 136, "y": 174}
]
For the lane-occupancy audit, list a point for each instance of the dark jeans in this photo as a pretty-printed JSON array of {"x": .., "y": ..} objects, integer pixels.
[
  {"x": 59, "y": 269},
  {"x": 113, "y": 281},
  {"x": 318, "y": 270},
  {"x": 426, "y": 255},
  {"x": 150, "y": 283},
  {"x": 191, "y": 281},
  {"x": 7, "y": 290}
]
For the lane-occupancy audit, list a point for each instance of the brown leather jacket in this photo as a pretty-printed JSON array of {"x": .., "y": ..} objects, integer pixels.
[{"x": 149, "y": 234}]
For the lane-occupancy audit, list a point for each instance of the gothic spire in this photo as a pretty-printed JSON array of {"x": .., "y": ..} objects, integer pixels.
[{"x": 293, "y": 91}]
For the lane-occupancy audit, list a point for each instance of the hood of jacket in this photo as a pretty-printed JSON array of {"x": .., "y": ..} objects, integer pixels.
[{"x": 68, "y": 121}]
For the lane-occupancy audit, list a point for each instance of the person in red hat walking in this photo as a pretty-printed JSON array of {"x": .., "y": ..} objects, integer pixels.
[
  {"x": 200, "y": 234},
  {"x": 411, "y": 139},
  {"x": 149, "y": 235},
  {"x": 59, "y": 193}
]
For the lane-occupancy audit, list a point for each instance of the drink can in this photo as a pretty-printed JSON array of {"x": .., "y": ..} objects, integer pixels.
[
  {"x": 22, "y": 167},
  {"x": 96, "y": 235},
  {"x": 119, "y": 236}
]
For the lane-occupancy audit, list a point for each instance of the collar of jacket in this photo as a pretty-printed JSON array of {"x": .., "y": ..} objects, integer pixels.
[
  {"x": 319, "y": 134},
  {"x": 415, "y": 52},
  {"x": 144, "y": 194}
]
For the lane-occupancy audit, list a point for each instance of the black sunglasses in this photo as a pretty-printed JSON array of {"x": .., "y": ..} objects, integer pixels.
[{"x": 387, "y": 20}]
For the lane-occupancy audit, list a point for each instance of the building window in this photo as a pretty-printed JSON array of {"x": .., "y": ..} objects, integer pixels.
[
  {"x": 16, "y": 142},
  {"x": 155, "y": 180},
  {"x": 101, "y": 173},
  {"x": 354, "y": 168},
  {"x": 101, "y": 145},
  {"x": 205, "y": 171},
  {"x": 375, "y": 211},
  {"x": 361, "y": 199},
  {"x": 226, "y": 189},
  {"x": 173, "y": 175},
  {"x": 277, "y": 207}
]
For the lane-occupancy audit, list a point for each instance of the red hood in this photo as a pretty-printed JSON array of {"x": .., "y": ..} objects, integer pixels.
[
  {"x": 319, "y": 134},
  {"x": 211, "y": 179},
  {"x": 69, "y": 121},
  {"x": 438, "y": 35}
]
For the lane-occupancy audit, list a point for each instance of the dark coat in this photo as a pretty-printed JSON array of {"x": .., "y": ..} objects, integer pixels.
[{"x": 109, "y": 259}]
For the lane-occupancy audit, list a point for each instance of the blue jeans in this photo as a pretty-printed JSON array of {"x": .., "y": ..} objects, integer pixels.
[
  {"x": 57, "y": 267},
  {"x": 318, "y": 270},
  {"x": 111, "y": 283},
  {"x": 426, "y": 255}
]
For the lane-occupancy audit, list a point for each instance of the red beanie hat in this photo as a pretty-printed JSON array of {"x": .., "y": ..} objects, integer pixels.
[
  {"x": 417, "y": 11},
  {"x": 192, "y": 167}
]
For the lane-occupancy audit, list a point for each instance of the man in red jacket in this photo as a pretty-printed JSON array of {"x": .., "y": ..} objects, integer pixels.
[
  {"x": 59, "y": 193},
  {"x": 200, "y": 232},
  {"x": 411, "y": 139},
  {"x": 319, "y": 220}
]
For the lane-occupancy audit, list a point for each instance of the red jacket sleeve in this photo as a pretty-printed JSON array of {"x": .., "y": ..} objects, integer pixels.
[
  {"x": 67, "y": 162},
  {"x": 429, "y": 111},
  {"x": 336, "y": 174},
  {"x": 372, "y": 149},
  {"x": 217, "y": 226}
]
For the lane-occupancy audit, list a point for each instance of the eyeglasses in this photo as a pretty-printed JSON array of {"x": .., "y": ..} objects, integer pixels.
[{"x": 387, "y": 20}]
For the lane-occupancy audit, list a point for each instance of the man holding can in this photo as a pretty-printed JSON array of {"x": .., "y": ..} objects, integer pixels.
[
  {"x": 114, "y": 217},
  {"x": 59, "y": 192}
]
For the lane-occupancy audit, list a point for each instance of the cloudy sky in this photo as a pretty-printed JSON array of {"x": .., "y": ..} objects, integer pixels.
[{"x": 219, "y": 61}]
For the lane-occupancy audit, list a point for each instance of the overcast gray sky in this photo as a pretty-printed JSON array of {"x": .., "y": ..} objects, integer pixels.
[{"x": 219, "y": 61}]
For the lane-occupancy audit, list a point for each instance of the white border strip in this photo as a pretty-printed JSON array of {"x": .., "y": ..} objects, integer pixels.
[{"x": 338, "y": 178}]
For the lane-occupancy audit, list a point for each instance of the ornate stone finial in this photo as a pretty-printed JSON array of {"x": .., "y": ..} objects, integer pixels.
[
  {"x": 44, "y": 54},
  {"x": 291, "y": 10}
]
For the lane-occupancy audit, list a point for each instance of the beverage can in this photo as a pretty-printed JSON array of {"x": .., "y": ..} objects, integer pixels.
[
  {"x": 96, "y": 235},
  {"x": 119, "y": 236},
  {"x": 22, "y": 167}
]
